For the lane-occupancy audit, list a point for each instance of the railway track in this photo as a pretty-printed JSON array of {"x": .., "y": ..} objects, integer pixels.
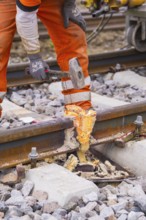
[
  {"x": 100, "y": 63},
  {"x": 117, "y": 22},
  {"x": 48, "y": 136}
]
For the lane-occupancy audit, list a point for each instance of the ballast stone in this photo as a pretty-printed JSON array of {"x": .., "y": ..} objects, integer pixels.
[
  {"x": 131, "y": 78},
  {"x": 60, "y": 184}
]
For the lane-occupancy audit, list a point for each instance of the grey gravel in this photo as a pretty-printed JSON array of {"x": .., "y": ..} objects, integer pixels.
[
  {"x": 90, "y": 197},
  {"x": 105, "y": 85},
  {"x": 140, "y": 201},
  {"x": 123, "y": 217},
  {"x": 107, "y": 212},
  {"x": 119, "y": 203},
  {"x": 27, "y": 188}
]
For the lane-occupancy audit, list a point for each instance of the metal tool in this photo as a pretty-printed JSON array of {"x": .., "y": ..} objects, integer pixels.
[{"x": 75, "y": 74}]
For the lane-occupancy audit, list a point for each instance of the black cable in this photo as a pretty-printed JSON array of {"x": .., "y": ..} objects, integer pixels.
[
  {"x": 99, "y": 28},
  {"x": 95, "y": 30}
]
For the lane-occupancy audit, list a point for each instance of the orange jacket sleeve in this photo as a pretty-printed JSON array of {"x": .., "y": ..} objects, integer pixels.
[{"x": 29, "y": 3}]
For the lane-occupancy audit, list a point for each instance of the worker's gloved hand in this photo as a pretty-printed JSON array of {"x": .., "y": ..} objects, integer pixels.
[
  {"x": 38, "y": 68},
  {"x": 72, "y": 13}
]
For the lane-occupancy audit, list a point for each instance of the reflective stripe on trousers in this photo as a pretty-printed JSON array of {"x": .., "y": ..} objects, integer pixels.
[
  {"x": 68, "y": 83},
  {"x": 77, "y": 97}
]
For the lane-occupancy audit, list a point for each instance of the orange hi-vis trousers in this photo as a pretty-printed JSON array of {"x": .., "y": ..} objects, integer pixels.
[
  {"x": 7, "y": 30},
  {"x": 69, "y": 43}
]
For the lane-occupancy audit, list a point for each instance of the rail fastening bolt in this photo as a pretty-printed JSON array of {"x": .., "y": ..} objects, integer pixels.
[
  {"x": 33, "y": 155},
  {"x": 138, "y": 122}
]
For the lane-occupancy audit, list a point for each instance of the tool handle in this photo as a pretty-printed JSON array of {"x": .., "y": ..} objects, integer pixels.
[
  {"x": 57, "y": 73},
  {"x": 51, "y": 73}
]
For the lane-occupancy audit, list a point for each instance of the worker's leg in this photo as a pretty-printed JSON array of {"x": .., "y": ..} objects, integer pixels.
[
  {"x": 7, "y": 30},
  {"x": 68, "y": 43}
]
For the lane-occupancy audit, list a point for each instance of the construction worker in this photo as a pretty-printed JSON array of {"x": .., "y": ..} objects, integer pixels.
[{"x": 66, "y": 28}]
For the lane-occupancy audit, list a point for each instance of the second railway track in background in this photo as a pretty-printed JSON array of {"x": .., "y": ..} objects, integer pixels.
[
  {"x": 98, "y": 63},
  {"x": 117, "y": 22},
  {"x": 48, "y": 136}
]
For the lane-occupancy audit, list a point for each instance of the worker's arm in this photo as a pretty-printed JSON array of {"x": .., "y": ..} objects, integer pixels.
[{"x": 27, "y": 27}]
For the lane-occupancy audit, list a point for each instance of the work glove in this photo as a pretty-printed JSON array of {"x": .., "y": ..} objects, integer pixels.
[
  {"x": 38, "y": 68},
  {"x": 71, "y": 13}
]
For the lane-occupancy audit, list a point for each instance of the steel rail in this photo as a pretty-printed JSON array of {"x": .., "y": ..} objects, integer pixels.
[
  {"x": 117, "y": 22},
  {"x": 48, "y": 137},
  {"x": 16, "y": 144},
  {"x": 100, "y": 63}
]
